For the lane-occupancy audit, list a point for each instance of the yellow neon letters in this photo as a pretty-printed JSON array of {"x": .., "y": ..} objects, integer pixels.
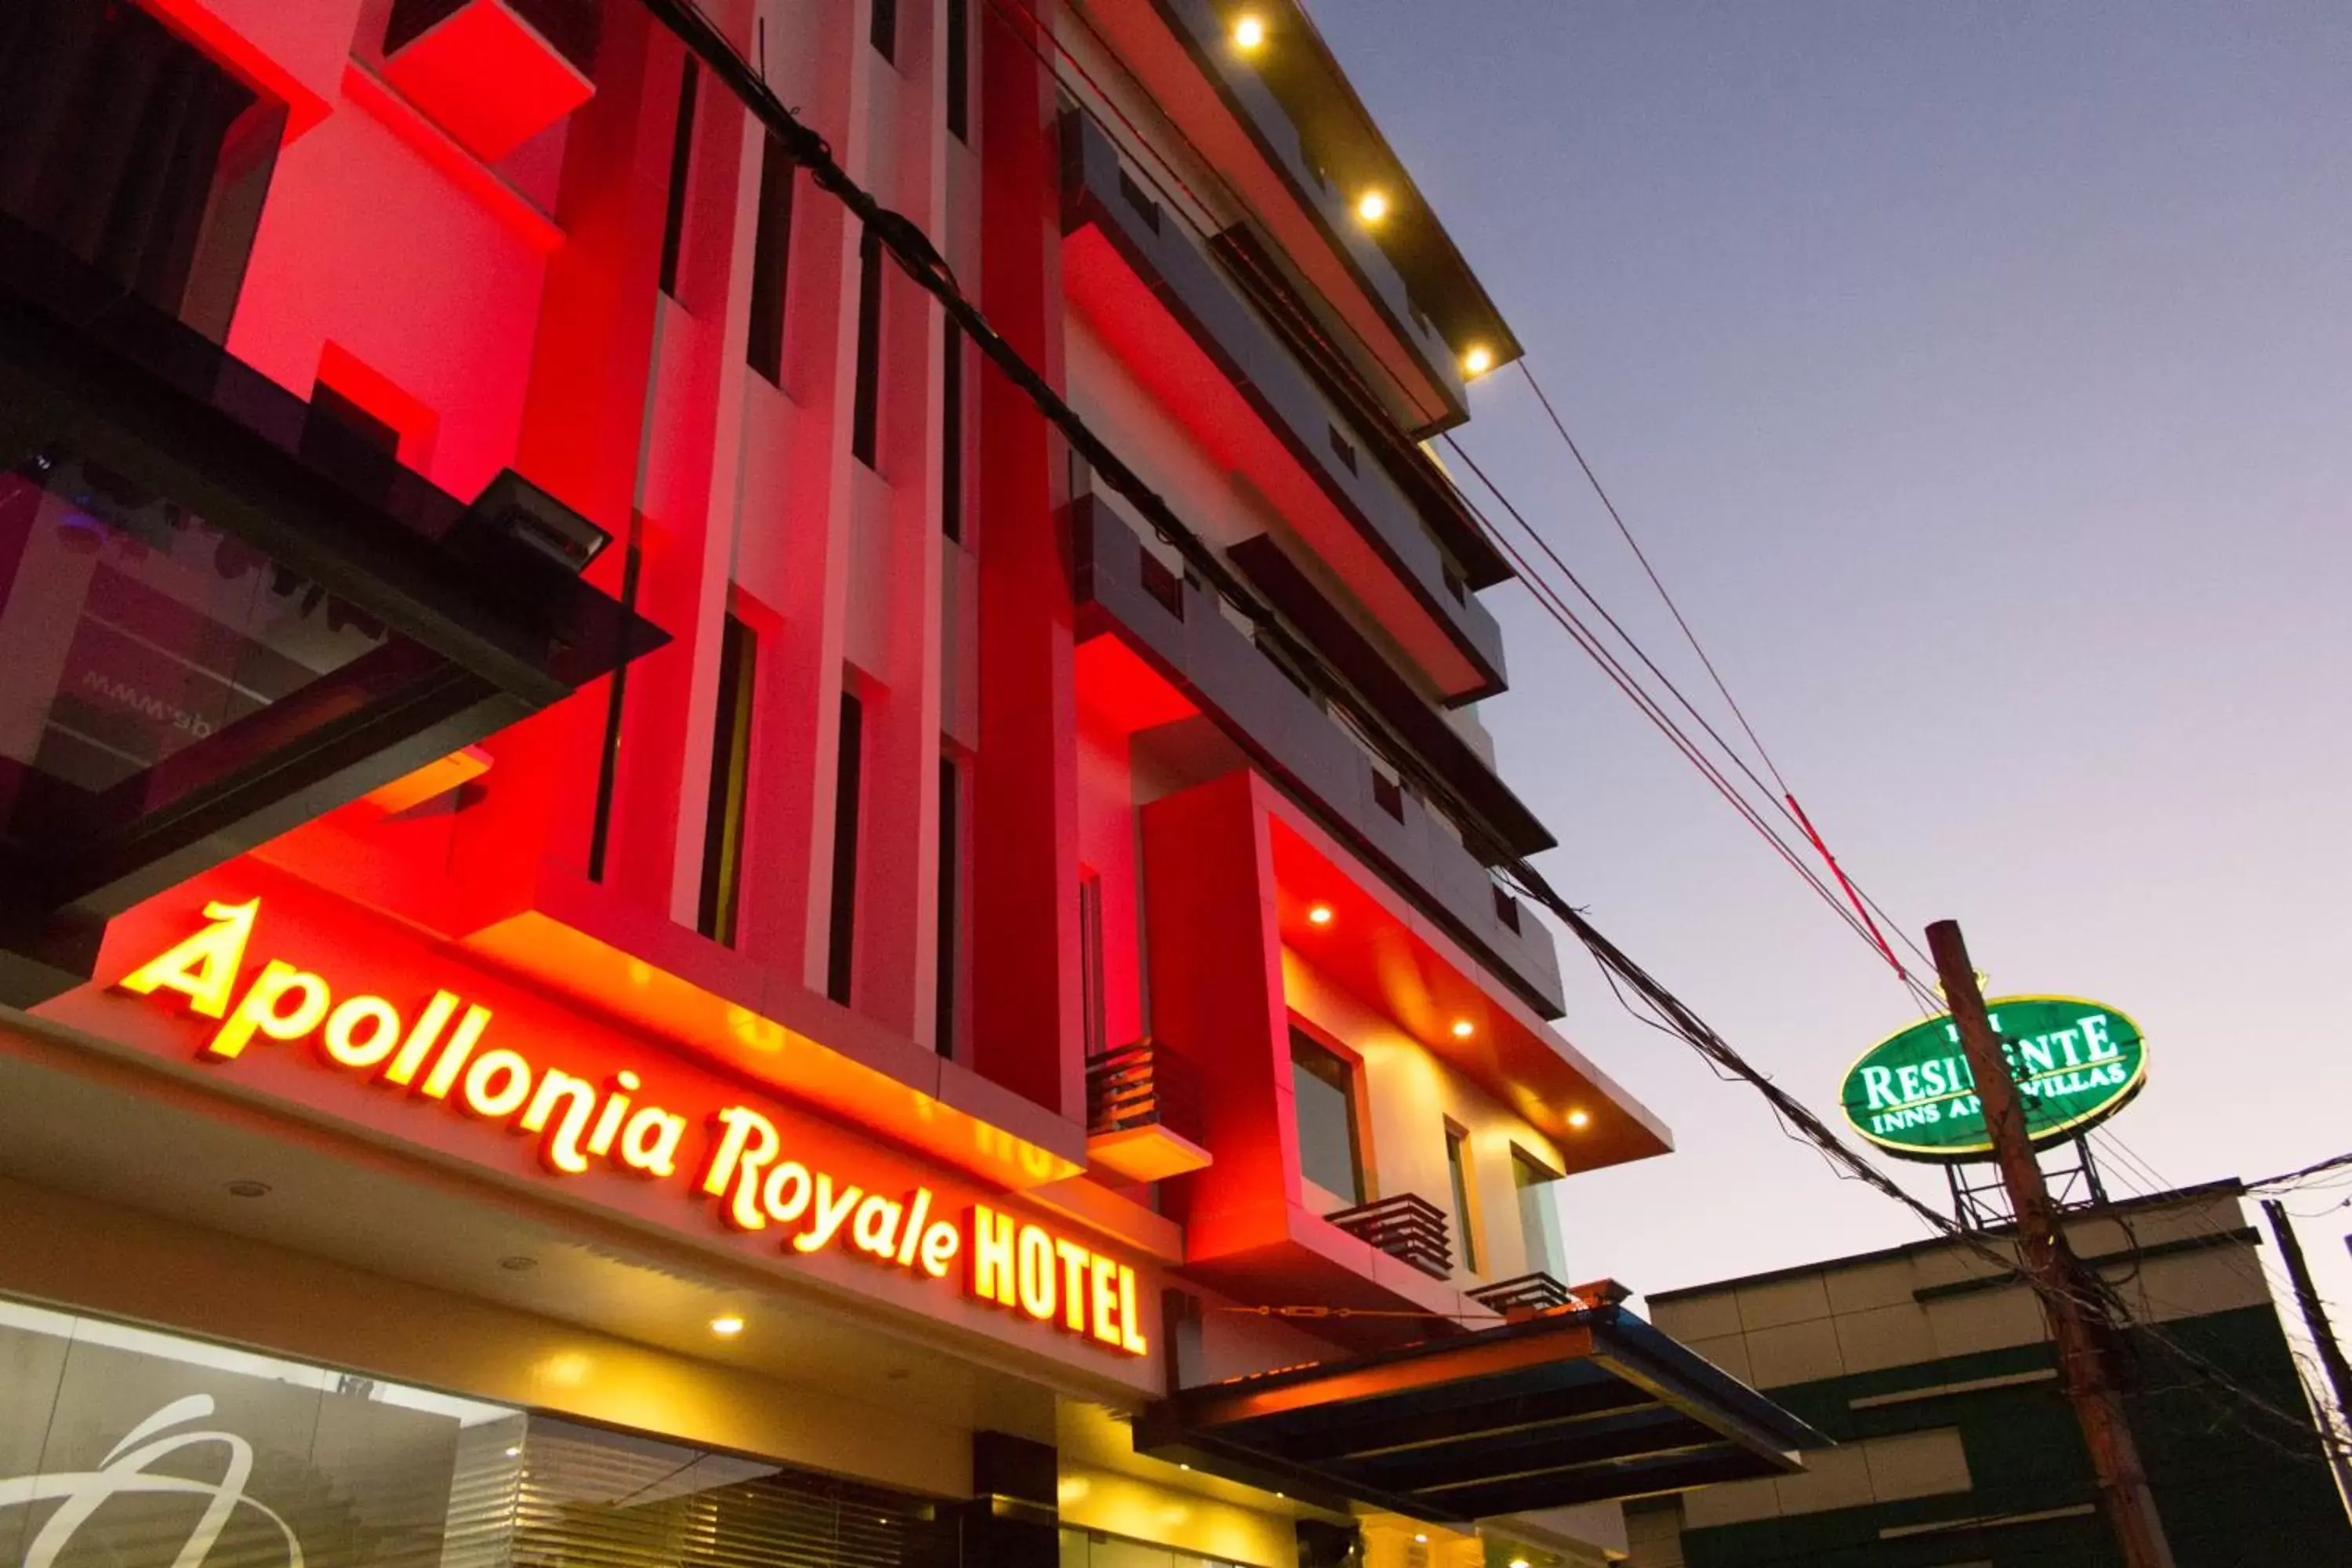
[{"x": 1052, "y": 1279}]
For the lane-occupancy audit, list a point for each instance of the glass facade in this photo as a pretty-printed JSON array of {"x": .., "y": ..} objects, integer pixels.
[{"x": 124, "y": 1447}]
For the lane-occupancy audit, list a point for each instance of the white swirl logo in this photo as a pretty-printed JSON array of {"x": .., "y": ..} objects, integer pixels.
[{"x": 124, "y": 1469}]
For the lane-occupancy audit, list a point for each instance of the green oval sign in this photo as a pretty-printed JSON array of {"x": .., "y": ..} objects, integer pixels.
[{"x": 2076, "y": 1063}]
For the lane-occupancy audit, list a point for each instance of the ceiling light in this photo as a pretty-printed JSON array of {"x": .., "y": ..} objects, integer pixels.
[
  {"x": 1518, "y": 1563},
  {"x": 1372, "y": 206},
  {"x": 727, "y": 1325},
  {"x": 1463, "y": 1028},
  {"x": 1478, "y": 360},
  {"x": 1320, "y": 915},
  {"x": 1249, "y": 32},
  {"x": 1183, "y": 1467},
  {"x": 1579, "y": 1117},
  {"x": 515, "y": 1451},
  {"x": 1421, "y": 1540}
]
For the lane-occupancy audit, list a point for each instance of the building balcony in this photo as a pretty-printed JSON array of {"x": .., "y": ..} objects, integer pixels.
[
  {"x": 1407, "y": 1226},
  {"x": 1143, "y": 1113},
  {"x": 1284, "y": 127},
  {"x": 1171, "y": 641},
  {"x": 1265, "y": 933},
  {"x": 1177, "y": 323}
]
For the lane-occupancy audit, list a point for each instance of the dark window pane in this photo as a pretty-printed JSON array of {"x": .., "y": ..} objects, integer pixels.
[
  {"x": 681, "y": 162},
  {"x": 1323, "y": 1089},
  {"x": 958, "y": 69},
  {"x": 771, "y": 245},
  {"x": 951, "y": 436},
  {"x": 1457, "y": 1166},
  {"x": 886, "y": 28},
  {"x": 849, "y": 772},
  {"x": 730, "y": 767},
  {"x": 1535, "y": 1213},
  {"x": 950, "y": 928},
  {"x": 864, "y": 412}
]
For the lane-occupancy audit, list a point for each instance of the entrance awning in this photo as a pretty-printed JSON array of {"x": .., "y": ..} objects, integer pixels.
[{"x": 1567, "y": 1407}]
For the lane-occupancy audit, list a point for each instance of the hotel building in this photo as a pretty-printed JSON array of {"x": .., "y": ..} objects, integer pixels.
[{"x": 644, "y": 917}]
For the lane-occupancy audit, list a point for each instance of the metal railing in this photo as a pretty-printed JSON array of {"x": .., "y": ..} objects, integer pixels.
[
  {"x": 1407, "y": 1226},
  {"x": 1142, "y": 1085},
  {"x": 1534, "y": 1293}
]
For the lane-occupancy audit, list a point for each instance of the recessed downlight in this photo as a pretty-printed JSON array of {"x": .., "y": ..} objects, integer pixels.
[
  {"x": 1373, "y": 206},
  {"x": 727, "y": 1325},
  {"x": 1249, "y": 32},
  {"x": 1320, "y": 915},
  {"x": 1579, "y": 1117},
  {"x": 1463, "y": 1028}
]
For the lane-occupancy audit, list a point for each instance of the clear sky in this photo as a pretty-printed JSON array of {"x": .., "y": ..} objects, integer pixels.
[{"x": 1980, "y": 379}]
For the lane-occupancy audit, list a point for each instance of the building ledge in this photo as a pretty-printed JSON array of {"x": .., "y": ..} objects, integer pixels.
[{"x": 582, "y": 941}]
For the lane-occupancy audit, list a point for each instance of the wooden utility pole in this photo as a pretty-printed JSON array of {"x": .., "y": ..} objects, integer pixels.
[
  {"x": 2333, "y": 1424},
  {"x": 2078, "y": 1322}
]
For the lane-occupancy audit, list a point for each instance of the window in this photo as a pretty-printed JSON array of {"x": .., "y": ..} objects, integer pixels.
[
  {"x": 1094, "y": 1013},
  {"x": 1323, "y": 1092},
  {"x": 960, "y": 69},
  {"x": 864, "y": 413},
  {"x": 951, "y": 435},
  {"x": 771, "y": 244},
  {"x": 1457, "y": 1166},
  {"x": 681, "y": 161},
  {"x": 950, "y": 864},
  {"x": 1534, "y": 1184},
  {"x": 848, "y": 778},
  {"x": 884, "y": 34},
  {"x": 1343, "y": 449},
  {"x": 731, "y": 768}
]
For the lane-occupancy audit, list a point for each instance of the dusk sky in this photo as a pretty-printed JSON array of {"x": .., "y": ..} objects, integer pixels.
[{"x": 1979, "y": 377}]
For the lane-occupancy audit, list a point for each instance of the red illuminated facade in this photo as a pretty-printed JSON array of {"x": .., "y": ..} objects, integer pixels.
[{"x": 564, "y": 722}]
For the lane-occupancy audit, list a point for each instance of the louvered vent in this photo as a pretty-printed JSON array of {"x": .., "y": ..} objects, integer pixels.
[{"x": 589, "y": 1498}]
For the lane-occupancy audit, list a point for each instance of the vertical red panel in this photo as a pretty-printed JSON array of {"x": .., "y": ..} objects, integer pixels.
[
  {"x": 1025, "y": 1027},
  {"x": 1217, "y": 1000}
]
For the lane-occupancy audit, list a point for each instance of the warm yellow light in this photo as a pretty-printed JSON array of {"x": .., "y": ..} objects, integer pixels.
[
  {"x": 1372, "y": 206},
  {"x": 1478, "y": 360},
  {"x": 1463, "y": 1028},
  {"x": 1421, "y": 1540},
  {"x": 1320, "y": 915},
  {"x": 1518, "y": 1563},
  {"x": 1249, "y": 32},
  {"x": 727, "y": 1326},
  {"x": 1579, "y": 1117}
]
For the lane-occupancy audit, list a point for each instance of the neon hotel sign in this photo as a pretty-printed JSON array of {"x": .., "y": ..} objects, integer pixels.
[{"x": 440, "y": 1056}]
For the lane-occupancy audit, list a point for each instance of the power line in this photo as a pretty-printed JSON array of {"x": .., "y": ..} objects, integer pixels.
[{"x": 1528, "y": 373}]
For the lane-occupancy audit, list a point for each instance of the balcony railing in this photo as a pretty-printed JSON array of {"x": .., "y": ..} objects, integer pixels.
[
  {"x": 1319, "y": 436},
  {"x": 1534, "y": 1293},
  {"x": 1407, "y": 1226},
  {"x": 1142, "y": 1085},
  {"x": 1299, "y": 745}
]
